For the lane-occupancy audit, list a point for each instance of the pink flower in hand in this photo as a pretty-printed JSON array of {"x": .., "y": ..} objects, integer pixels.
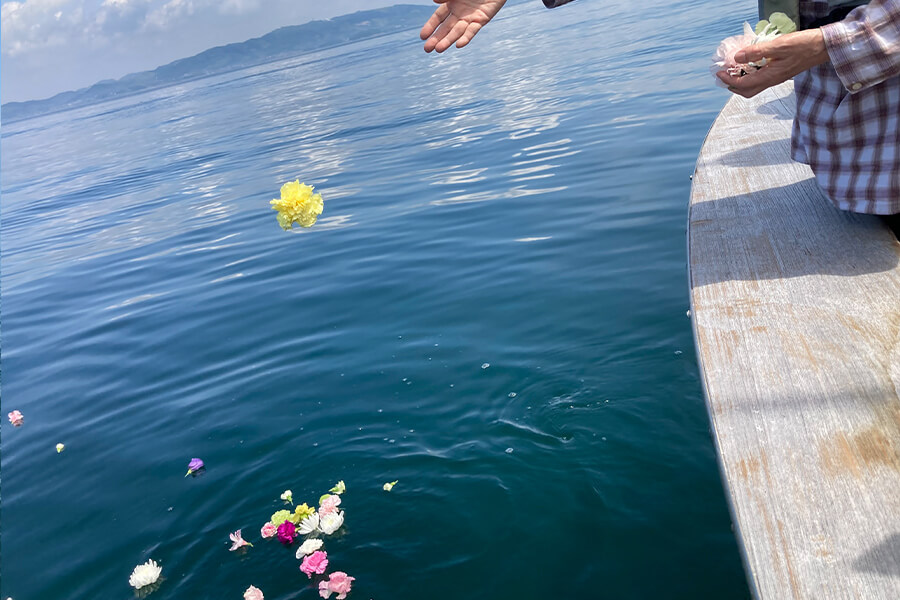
[
  {"x": 16, "y": 418},
  {"x": 253, "y": 593},
  {"x": 329, "y": 504},
  {"x": 338, "y": 583},
  {"x": 268, "y": 530},
  {"x": 238, "y": 541},
  {"x": 724, "y": 57},
  {"x": 316, "y": 562}
]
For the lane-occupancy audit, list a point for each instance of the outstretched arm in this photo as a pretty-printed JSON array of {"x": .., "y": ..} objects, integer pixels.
[{"x": 457, "y": 21}]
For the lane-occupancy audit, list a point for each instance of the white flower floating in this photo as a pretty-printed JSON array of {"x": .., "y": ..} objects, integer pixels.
[
  {"x": 287, "y": 496},
  {"x": 308, "y": 547},
  {"x": 389, "y": 486},
  {"x": 60, "y": 448},
  {"x": 145, "y": 574},
  {"x": 331, "y": 522},
  {"x": 309, "y": 524}
]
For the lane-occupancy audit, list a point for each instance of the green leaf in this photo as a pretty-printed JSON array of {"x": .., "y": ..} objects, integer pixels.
[{"x": 783, "y": 23}]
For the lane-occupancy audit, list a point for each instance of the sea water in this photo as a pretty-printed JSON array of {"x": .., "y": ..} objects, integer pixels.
[{"x": 491, "y": 311}]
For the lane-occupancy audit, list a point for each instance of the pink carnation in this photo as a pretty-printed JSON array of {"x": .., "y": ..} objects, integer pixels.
[
  {"x": 268, "y": 530},
  {"x": 338, "y": 583},
  {"x": 253, "y": 593},
  {"x": 16, "y": 418},
  {"x": 316, "y": 563},
  {"x": 329, "y": 504}
]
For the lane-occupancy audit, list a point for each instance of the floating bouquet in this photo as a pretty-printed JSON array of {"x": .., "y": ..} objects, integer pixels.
[
  {"x": 765, "y": 31},
  {"x": 303, "y": 520}
]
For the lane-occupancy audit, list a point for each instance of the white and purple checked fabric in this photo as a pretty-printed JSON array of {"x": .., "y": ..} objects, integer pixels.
[{"x": 848, "y": 111}]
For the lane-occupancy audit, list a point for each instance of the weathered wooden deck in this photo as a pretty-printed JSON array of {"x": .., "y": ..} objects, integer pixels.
[{"x": 796, "y": 313}]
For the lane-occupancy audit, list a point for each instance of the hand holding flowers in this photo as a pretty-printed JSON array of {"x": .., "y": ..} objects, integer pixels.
[
  {"x": 785, "y": 57},
  {"x": 771, "y": 54}
]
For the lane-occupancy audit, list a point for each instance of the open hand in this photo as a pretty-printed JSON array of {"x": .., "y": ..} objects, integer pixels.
[
  {"x": 457, "y": 21},
  {"x": 786, "y": 56}
]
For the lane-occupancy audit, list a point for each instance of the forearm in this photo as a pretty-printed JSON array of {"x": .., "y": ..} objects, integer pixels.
[{"x": 865, "y": 47}]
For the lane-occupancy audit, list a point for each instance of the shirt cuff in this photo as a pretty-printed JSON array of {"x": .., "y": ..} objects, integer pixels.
[
  {"x": 856, "y": 53},
  {"x": 555, "y": 3}
]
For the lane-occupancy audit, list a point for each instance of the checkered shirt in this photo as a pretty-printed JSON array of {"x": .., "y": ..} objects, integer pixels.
[{"x": 848, "y": 110}]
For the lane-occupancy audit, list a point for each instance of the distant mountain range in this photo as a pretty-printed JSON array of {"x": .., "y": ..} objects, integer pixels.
[{"x": 279, "y": 44}]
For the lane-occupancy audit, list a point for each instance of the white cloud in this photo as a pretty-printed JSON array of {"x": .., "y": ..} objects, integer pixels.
[
  {"x": 37, "y": 24},
  {"x": 166, "y": 15}
]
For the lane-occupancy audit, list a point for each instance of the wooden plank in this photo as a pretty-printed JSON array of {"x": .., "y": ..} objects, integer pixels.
[{"x": 796, "y": 314}]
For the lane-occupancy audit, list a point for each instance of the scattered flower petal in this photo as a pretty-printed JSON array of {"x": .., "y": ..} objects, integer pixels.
[
  {"x": 145, "y": 574},
  {"x": 317, "y": 563},
  {"x": 268, "y": 531},
  {"x": 238, "y": 541},
  {"x": 195, "y": 465},
  {"x": 389, "y": 486},
  {"x": 298, "y": 205},
  {"x": 16, "y": 418},
  {"x": 253, "y": 593},
  {"x": 339, "y": 488},
  {"x": 308, "y": 547},
  {"x": 338, "y": 583},
  {"x": 331, "y": 522}
]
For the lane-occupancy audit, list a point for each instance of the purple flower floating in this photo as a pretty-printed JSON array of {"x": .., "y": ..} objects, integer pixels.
[
  {"x": 286, "y": 533},
  {"x": 195, "y": 465}
]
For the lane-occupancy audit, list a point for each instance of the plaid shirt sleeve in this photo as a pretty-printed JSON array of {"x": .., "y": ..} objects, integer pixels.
[{"x": 865, "y": 47}]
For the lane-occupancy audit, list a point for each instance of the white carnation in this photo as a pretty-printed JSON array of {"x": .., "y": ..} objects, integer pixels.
[{"x": 308, "y": 547}]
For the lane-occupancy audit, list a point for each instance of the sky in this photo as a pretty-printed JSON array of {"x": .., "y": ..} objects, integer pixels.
[{"x": 51, "y": 46}]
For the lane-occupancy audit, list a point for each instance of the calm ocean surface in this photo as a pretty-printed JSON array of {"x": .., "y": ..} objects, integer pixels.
[{"x": 520, "y": 204}]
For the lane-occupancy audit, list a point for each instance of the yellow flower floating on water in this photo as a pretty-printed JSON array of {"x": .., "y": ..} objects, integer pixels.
[
  {"x": 301, "y": 512},
  {"x": 298, "y": 204}
]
